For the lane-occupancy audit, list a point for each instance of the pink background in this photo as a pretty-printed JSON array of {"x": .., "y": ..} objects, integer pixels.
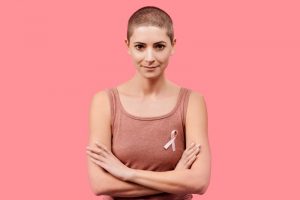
[{"x": 243, "y": 56}]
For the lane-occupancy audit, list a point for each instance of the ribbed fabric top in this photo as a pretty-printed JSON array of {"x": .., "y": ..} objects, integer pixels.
[{"x": 139, "y": 142}]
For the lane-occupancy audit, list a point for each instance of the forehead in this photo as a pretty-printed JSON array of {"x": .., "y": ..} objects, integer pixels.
[{"x": 149, "y": 34}]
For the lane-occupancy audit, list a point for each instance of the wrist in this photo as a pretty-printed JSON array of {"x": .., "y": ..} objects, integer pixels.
[{"x": 129, "y": 175}]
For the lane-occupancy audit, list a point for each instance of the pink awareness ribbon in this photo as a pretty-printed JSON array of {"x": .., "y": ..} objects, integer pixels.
[{"x": 172, "y": 140}]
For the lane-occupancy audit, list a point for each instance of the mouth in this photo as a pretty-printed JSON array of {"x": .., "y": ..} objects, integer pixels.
[{"x": 150, "y": 67}]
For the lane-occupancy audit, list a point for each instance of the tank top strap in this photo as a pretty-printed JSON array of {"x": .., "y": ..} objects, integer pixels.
[
  {"x": 184, "y": 104},
  {"x": 112, "y": 102}
]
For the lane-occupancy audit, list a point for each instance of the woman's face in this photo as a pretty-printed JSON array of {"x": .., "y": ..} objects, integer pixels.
[{"x": 150, "y": 49}]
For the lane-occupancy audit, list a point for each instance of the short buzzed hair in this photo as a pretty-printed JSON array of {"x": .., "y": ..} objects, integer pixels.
[{"x": 150, "y": 16}]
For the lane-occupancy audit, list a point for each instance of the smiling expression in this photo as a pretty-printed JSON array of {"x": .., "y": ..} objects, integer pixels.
[{"x": 150, "y": 49}]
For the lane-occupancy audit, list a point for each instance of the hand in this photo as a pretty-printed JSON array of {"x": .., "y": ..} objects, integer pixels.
[
  {"x": 104, "y": 158},
  {"x": 188, "y": 157}
]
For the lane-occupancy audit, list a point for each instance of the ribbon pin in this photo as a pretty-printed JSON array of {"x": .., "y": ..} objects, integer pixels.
[{"x": 172, "y": 140}]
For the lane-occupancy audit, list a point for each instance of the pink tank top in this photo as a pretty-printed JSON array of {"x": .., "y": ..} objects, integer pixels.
[{"x": 149, "y": 143}]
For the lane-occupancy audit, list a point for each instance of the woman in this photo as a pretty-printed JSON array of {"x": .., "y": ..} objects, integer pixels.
[{"x": 146, "y": 134}]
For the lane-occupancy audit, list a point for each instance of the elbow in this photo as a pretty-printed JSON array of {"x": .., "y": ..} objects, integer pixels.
[
  {"x": 201, "y": 190},
  {"x": 200, "y": 187},
  {"x": 98, "y": 189},
  {"x": 201, "y": 183},
  {"x": 195, "y": 187}
]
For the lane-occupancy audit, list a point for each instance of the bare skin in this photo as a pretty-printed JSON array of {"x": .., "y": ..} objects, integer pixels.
[
  {"x": 104, "y": 158},
  {"x": 150, "y": 49},
  {"x": 147, "y": 105},
  {"x": 188, "y": 157}
]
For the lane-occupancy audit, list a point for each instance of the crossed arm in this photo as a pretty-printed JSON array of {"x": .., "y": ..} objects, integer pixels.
[
  {"x": 109, "y": 176},
  {"x": 120, "y": 174},
  {"x": 103, "y": 183}
]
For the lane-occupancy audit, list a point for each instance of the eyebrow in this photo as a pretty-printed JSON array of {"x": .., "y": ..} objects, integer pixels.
[{"x": 154, "y": 43}]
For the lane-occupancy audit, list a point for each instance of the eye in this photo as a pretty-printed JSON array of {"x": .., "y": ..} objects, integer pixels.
[
  {"x": 139, "y": 47},
  {"x": 160, "y": 46}
]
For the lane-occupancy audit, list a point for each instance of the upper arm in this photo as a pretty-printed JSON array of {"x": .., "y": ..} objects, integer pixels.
[
  {"x": 100, "y": 131},
  {"x": 197, "y": 132},
  {"x": 99, "y": 120},
  {"x": 102, "y": 182}
]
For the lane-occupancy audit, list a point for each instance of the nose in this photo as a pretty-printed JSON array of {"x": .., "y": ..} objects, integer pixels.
[{"x": 149, "y": 55}]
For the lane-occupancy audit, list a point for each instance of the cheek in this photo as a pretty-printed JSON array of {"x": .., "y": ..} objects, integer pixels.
[
  {"x": 137, "y": 57},
  {"x": 163, "y": 57}
]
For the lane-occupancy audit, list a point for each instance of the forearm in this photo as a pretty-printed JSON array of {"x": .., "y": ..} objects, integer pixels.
[
  {"x": 118, "y": 188},
  {"x": 104, "y": 183},
  {"x": 175, "y": 182}
]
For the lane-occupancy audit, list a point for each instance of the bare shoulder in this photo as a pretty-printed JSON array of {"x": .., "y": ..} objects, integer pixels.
[
  {"x": 101, "y": 95},
  {"x": 100, "y": 102},
  {"x": 196, "y": 119},
  {"x": 197, "y": 101},
  {"x": 99, "y": 118}
]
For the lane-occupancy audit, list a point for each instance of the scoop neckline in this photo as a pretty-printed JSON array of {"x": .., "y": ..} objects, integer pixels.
[{"x": 152, "y": 117}]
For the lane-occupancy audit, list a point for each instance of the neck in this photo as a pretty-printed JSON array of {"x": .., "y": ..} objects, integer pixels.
[{"x": 149, "y": 87}]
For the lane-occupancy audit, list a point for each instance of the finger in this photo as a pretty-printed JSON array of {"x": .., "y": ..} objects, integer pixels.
[
  {"x": 191, "y": 150},
  {"x": 190, "y": 147},
  {"x": 103, "y": 147},
  {"x": 194, "y": 153},
  {"x": 101, "y": 164},
  {"x": 95, "y": 156},
  {"x": 97, "y": 162},
  {"x": 189, "y": 157},
  {"x": 191, "y": 161},
  {"x": 196, "y": 150},
  {"x": 97, "y": 149},
  {"x": 93, "y": 150},
  {"x": 187, "y": 150}
]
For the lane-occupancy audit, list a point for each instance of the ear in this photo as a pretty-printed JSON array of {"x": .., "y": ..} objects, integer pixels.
[
  {"x": 127, "y": 46},
  {"x": 173, "y": 46}
]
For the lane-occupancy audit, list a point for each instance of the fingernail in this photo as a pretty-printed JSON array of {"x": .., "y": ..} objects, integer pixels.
[
  {"x": 192, "y": 143},
  {"x": 198, "y": 145}
]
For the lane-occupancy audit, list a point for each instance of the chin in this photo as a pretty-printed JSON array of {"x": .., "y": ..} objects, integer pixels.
[{"x": 151, "y": 76}]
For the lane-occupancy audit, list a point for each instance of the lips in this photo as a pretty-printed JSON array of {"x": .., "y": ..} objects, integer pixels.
[{"x": 151, "y": 67}]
